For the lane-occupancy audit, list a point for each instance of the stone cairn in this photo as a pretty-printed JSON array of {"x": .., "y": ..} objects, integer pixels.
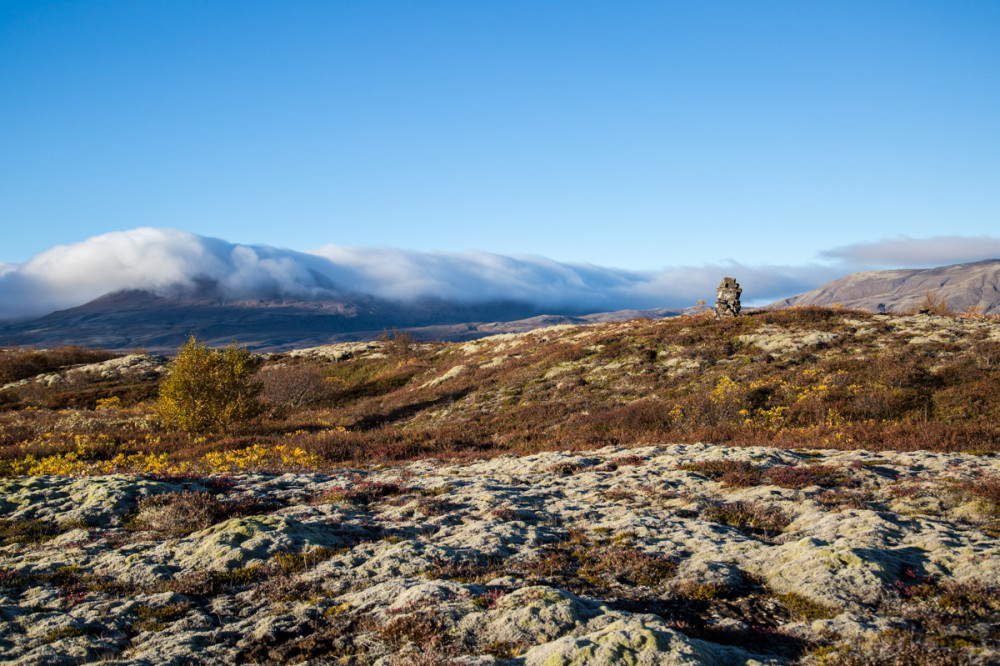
[{"x": 727, "y": 302}]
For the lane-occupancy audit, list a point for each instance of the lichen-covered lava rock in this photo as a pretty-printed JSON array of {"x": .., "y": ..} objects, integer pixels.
[{"x": 682, "y": 554}]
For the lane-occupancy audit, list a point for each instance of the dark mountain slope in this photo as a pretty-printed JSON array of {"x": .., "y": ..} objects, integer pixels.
[{"x": 130, "y": 319}]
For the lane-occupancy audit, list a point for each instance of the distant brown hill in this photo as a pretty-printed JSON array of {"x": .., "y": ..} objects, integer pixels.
[{"x": 961, "y": 285}]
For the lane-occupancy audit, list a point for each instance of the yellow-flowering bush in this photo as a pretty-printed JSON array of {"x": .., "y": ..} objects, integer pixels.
[
  {"x": 255, "y": 458},
  {"x": 259, "y": 458}
]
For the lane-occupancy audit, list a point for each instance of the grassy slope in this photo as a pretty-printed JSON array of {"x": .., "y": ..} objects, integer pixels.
[
  {"x": 805, "y": 377},
  {"x": 809, "y": 378}
]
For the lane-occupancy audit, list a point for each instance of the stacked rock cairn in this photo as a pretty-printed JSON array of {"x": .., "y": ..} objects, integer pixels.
[{"x": 727, "y": 302}]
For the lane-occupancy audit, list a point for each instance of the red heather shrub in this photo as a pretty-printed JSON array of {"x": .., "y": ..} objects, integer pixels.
[
  {"x": 987, "y": 489},
  {"x": 802, "y": 476},
  {"x": 364, "y": 492},
  {"x": 737, "y": 473}
]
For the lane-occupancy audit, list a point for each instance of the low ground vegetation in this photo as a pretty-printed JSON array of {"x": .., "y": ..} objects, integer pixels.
[
  {"x": 806, "y": 377},
  {"x": 800, "y": 381}
]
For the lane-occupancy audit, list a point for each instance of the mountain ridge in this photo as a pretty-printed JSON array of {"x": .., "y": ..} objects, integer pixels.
[
  {"x": 133, "y": 318},
  {"x": 962, "y": 286}
]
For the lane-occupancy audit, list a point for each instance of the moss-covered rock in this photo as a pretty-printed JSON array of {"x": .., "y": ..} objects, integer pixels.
[
  {"x": 241, "y": 541},
  {"x": 638, "y": 640}
]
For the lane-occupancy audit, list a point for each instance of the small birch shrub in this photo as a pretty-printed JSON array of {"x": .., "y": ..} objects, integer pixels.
[{"x": 210, "y": 390}]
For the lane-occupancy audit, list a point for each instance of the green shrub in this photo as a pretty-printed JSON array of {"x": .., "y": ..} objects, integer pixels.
[
  {"x": 65, "y": 632},
  {"x": 158, "y": 619},
  {"x": 210, "y": 390},
  {"x": 807, "y": 610},
  {"x": 26, "y": 531}
]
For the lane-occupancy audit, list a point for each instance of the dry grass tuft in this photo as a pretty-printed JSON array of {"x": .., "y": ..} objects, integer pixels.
[
  {"x": 181, "y": 513},
  {"x": 893, "y": 648},
  {"x": 756, "y": 519},
  {"x": 738, "y": 473}
]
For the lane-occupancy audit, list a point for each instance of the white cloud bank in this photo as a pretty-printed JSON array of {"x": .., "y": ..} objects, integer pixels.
[
  {"x": 906, "y": 252},
  {"x": 167, "y": 260}
]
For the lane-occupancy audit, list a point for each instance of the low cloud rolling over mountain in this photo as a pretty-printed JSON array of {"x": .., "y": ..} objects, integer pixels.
[
  {"x": 906, "y": 252},
  {"x": 167, "y": 261}
]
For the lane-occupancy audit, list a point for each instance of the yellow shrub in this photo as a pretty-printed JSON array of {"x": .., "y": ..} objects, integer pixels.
[{"x": 210, "y": 390}]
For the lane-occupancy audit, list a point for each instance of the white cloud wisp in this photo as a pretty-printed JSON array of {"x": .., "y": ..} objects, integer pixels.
[
  {"x": 903, "y": 251},
  {"x": 168, "y": 261}
]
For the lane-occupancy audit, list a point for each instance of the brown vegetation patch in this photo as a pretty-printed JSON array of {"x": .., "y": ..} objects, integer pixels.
[
  {"x": 286, "y": 387},
  {"x": 24, "y": 362},
  {"x": 738, "y": 473},
  {"x": 597, "y": 567},
  {"x": 181, "y": 513},
  {"x": 27, "y": 531},
  {"x": 363, "y": 492},
  {"x": 756, "y": 519},
  {"x": 802, "y": 476},
  {"x": 623, "y": 564},
  {"x": 894, "y": 648}
]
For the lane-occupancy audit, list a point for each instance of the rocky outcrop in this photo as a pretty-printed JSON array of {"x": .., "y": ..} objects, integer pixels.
[
  {"x": 141, "y": 366},
  {"x": 643, "y": 555}
]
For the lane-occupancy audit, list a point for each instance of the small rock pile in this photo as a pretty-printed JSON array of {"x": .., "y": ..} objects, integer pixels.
[{"x": 727, "y": 302}]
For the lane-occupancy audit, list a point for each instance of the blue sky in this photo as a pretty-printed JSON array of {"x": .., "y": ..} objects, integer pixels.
[{"x": 638, "y": 135}]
